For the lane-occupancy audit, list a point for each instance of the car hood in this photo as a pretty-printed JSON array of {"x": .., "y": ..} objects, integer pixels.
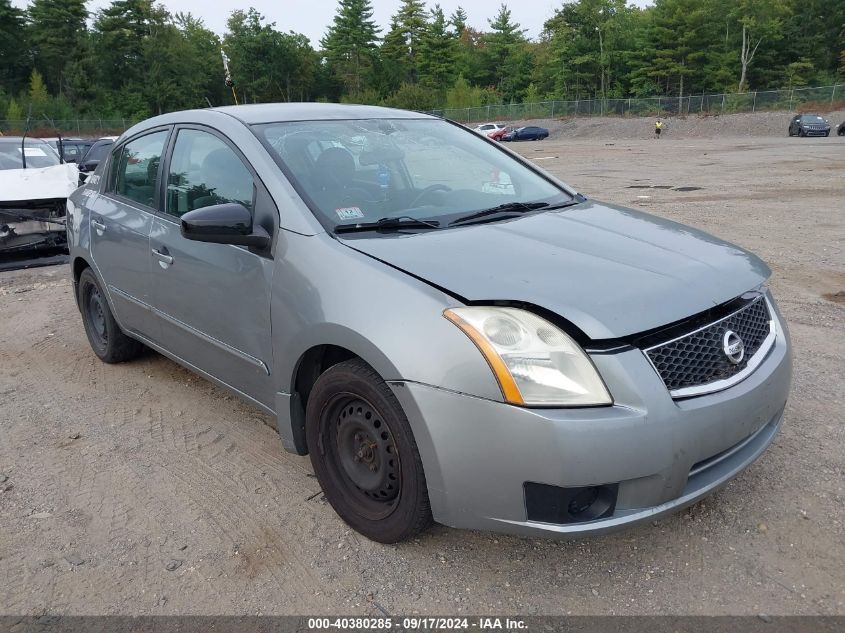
[
  {"x": 42, "y": 183},
  {"x": 609, "y": 270}
]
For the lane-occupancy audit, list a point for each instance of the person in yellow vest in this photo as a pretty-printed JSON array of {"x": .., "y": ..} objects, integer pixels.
[{"x": 658, "y": 126}]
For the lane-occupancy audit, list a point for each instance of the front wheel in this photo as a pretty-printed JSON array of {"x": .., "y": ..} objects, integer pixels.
[{"x": 364, "y": 454}]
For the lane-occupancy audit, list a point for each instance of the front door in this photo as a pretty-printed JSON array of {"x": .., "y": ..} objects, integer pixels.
[
  {"x": 212, "y": 300},
  {"x": 121, "y": 218}
]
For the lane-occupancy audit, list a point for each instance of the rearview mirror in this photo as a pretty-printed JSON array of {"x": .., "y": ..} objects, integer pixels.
[{"x": 229, "y": 223}]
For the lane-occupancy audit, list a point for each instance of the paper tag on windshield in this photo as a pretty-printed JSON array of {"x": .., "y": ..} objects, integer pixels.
[
  {"x": 349, "y": 213},
  {"x": 32, "y": 151}
]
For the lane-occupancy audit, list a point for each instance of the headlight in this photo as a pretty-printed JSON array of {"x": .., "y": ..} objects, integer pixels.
[{"x": 535, "y": 363}]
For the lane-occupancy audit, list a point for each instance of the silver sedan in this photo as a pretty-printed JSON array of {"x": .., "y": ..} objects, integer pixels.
[{"x": 450, "y": 332}]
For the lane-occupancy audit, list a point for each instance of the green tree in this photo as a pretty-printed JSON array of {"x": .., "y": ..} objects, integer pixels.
[
  {"x": 350, "y": 43},
  {"x": 268, "y": 65},
  {"x": 759, "y": 21},
  {"x": 14, "y": 112},
  {"x": 38, "y": 95},
  {"x": 402, "y": 43},
  {"x": 437, "y": 53},
  {"x": 56, "y": 30},
  {"x": 504, "y": 53},
  {"x": 13, "y": 46},
  {"x": 458, "y": 20}
]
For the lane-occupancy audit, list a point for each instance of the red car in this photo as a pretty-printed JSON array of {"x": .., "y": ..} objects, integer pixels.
[{"x": 497, "y": 135}]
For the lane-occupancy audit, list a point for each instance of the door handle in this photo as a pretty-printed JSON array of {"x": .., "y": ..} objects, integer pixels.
[
  {"x": 98, "y": 225},
  {"x": 164, "y": 258}
]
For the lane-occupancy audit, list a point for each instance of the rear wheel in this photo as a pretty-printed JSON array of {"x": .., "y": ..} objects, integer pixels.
[
  {"x": 364, "y": 455},
  {"x": 107, "y": 340}
]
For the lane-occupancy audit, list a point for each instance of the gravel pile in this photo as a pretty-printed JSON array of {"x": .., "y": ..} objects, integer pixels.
[{"x": 693, "y": 126}]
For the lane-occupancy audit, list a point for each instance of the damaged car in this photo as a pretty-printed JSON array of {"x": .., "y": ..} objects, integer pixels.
[
  {"x": 451, "y": 333},
  {"x": 34, "y": 186}
]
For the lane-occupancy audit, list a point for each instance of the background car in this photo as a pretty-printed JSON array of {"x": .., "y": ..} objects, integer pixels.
[
  {"x": 486, "y": 128},
  {"x": 33, "y": 195},
  {"x": 497, "y": 134},
  {"x": 527, "y": 133},
  {"x": 72, "y": 148},
  {"x": 840, "y": 129},
  {"x": 98, "y": 150},
  {"x": 809, "y": 125}
]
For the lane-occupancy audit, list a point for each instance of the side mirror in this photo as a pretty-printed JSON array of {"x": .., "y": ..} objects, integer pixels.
[
  {"x": 89, "y": 165},
  {"x": 229, "y": 223}
]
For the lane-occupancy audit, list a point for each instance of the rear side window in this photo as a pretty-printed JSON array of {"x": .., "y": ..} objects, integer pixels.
[
  {"x": 136, "y": 168},
  {"x": 205, "y": 171}
]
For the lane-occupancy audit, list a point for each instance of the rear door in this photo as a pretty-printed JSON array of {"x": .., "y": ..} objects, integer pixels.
[
  {"x": 120, "y": 222},
  {"x": 213, "y": 300}
]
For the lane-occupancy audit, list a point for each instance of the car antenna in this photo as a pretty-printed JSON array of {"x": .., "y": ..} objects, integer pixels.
[
  {"x": 23, "y": 138},
  {"x": 208, "y": 101},
  {"x": 60, "y": 143}
]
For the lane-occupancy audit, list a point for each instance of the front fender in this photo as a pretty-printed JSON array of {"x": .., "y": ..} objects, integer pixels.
[{"x": 325, "y": 293}]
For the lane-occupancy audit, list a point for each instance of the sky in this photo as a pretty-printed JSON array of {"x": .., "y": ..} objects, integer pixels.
[{"x": 312, "y": 17}]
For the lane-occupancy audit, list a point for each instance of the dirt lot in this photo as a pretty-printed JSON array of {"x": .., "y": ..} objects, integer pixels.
[{"x": 142, "y": 489}]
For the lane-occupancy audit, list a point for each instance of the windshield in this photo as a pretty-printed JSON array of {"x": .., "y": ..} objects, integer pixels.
[
  {"x": 38, "y": 154},
  {"x": 428, "y": 169},
  {"x": 812, "y": 118}
]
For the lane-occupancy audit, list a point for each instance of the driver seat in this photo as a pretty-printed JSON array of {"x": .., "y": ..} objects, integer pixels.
[{"x": 334, "y": 169}]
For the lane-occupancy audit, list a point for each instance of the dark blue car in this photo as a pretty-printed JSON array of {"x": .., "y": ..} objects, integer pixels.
[{"x": 528, "y": 133}]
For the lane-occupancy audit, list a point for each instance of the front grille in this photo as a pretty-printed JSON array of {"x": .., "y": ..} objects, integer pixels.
[{"x": 698, "y": 358}]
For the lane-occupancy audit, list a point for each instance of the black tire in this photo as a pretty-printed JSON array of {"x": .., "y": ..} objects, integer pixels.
[
  {"x": 364, "y": 454},
  {"x": 107, "y": 340},
  {"x": 789, "y": 131}
]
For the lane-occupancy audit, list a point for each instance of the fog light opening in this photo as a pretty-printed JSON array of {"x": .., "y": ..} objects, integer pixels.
[{"x": 555, "y": 504}]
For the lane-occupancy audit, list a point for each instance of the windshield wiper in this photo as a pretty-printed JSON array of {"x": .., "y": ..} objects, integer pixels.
[
  {"x": 508, "y": 207},
  {"x": 512, "y": 207},
  {"x": 388, "y": 224}
]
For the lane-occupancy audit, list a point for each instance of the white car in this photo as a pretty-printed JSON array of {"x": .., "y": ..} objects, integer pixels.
[
  {"x": 486, "y": 128},
  {"x": 34, "y": 186}
]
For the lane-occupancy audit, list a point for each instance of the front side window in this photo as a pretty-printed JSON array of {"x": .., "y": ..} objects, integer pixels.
[
  {"x": 136, "y": 168},
  {"x": 427, "y": 169},
  {"x": 205, "y": 171}
]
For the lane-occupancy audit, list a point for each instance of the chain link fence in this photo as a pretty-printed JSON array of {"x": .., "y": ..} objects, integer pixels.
[
  {"x": 819, "y": 99},
  {"x": 823, "y": 98},
  {"x": 44, "y": 127}
]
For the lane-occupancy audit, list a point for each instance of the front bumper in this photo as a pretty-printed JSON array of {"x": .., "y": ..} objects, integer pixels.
[
  {"x": 32, "y": 225},
  {"x": 663, "y": 454},
  {"x": 816, "y": 131}
]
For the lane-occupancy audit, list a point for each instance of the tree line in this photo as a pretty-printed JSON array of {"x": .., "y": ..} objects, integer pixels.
[{"x": 134, "y": 59}]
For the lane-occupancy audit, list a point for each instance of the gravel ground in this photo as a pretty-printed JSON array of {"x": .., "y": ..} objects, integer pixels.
[
  {"x": 759, "y": 124},
  {"x": 142, "y": 489}
]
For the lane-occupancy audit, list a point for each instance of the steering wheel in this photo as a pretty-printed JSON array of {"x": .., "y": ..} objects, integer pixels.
[{"x": 428, "y": 190}]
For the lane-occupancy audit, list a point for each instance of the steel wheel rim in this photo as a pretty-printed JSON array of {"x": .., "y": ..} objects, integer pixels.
[
  {"x": 97, "y": 315},
  {"x": 361, "y": 455}
]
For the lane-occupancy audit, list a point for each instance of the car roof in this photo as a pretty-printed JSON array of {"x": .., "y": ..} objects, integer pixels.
[
  {"x": 283, "y": 112},
  {"x": 274, "y": 113},
  {"x": 18, "y": 139}
]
